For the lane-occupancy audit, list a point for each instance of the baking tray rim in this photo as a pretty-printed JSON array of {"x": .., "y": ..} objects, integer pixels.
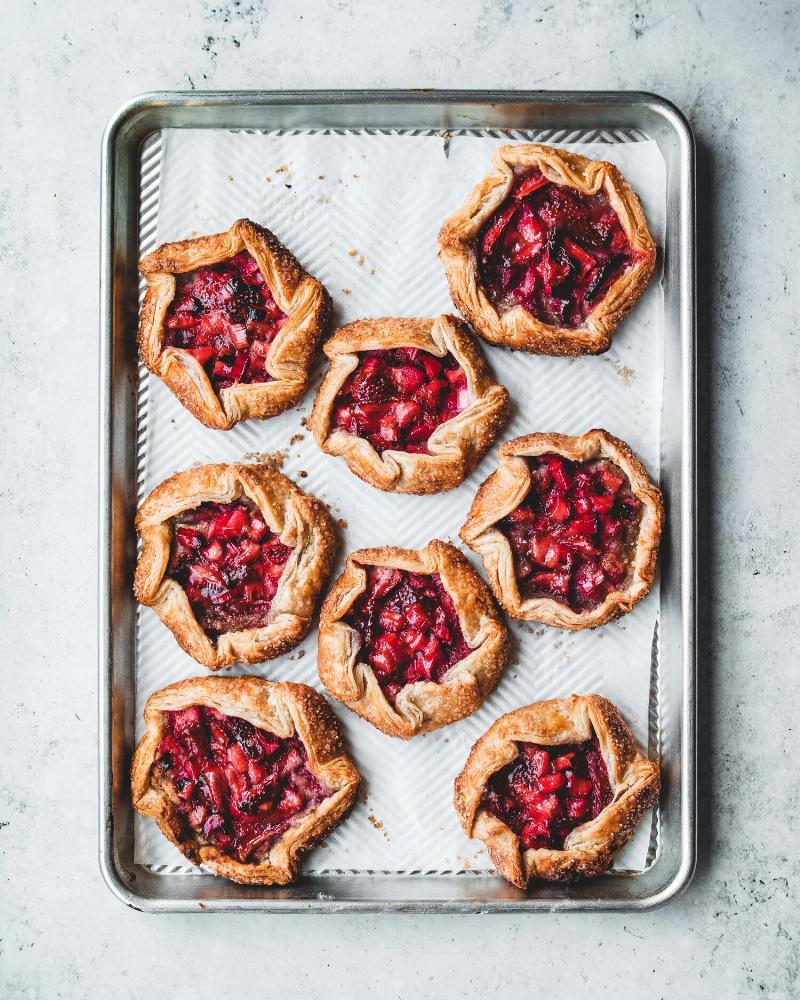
[{"x": 128, "y": 125}]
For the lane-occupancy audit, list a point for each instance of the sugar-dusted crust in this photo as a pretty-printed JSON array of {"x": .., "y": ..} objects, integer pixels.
[
  {"x": 287, "y": 710},
  {"x": 589, "y": 848},
  {"x": 505, "y": 489},
  {"x": 304, "y": 300},
  {"x": 424, "y": 705},
  {"x": 517, "y": 328},
  {"x": 301, "y": 521},
  {"x": 456, "y": 446}
]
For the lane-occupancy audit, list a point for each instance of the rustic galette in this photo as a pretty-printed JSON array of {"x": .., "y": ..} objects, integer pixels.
[
  {"x": 410, "y": 639},
  {"x": 230, "y": 323},
  {"x": 242, "y": 774},
  {"x": 555, "y": 789},
  {"x": 549, "y": 252},
  {"x": 568, "y": 528},
  {"x": 233, "y": 559},
  {"x": 408, "y": 403}
]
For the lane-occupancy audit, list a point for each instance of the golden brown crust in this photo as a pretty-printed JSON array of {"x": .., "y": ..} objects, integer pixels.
[
  {"x": 505, "y": 489},
  {"x": 589, "y": 848},
  {"x": 287, "y": 710},
  {"x": 304, "y": 300},
  {"x": 456, "y": 446},
  {"x": 424, "y": 705},
  {"x": 517, "y": 328},
  {"x": 301, "y": 521}
]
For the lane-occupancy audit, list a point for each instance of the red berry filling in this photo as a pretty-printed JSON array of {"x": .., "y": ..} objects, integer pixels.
[
  {"x": 409, "y": 628},
  {"x": 226, "y": 317},
  {"x": 229, "y": 563},
  {"x": 396, "y": 399},
  {"x": 548, "y": 791},
  {"x": 573, "y": 536},
  {"x": 237, "y": 786},
  {"x": 553, "y": 250}
]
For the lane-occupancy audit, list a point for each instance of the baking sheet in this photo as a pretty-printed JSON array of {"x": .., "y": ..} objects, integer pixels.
[{"x": 361, "y": 210}]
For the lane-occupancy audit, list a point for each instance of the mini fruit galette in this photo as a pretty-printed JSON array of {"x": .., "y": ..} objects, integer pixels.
[
  {"x": 230, "y": 323},
  {"x": 408, "y": 403},
  {"x": 410, "y": 639},
  {"x": 233, "y": 559},
  {"x": 242, "y": 774},
  {"x": 555, "y": 789},
  {"x": 548, "y": 254},
  {"x": 568, "y": 528}
]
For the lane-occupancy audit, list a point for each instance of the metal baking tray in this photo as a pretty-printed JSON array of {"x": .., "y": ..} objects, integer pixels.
[{"x": 673, "y": 701}]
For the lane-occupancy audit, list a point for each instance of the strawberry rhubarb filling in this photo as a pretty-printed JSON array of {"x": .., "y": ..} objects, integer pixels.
[
  {"x": 229, "y": 563},
  {"x": 552, "y": 250},
  {"x": 238, "y": 787},
  {"x": 408, "y": 626},
  {"x": 397, "y": 398},
  {"x": 548, "y": 791},
  {"x": 573, "y": 537},
  {"x": 226, "y": 317}
]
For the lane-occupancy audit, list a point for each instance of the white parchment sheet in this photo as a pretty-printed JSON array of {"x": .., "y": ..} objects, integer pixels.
[{"x": 361, "y": 212}]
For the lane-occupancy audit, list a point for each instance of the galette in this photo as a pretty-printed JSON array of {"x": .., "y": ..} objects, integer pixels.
[
  {"x": 230, "y": 323},
  {"x": 233, "y": 559},
  {"x": 242, "y": 774},
  {"x": 410, "y": 639},
  {"x": 555, "y": 789},
  {"x": 568, "y": 528},
  {"x": 409, "y": 404},
  {"x": 549, "y": 252}
]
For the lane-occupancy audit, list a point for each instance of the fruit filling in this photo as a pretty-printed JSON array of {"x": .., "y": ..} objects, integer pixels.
[
  {"x": 238, "y": 787},
  {"x": 548, "y": 791},
  {"x": 553, "y": 250},
  {"x": 226, "y": 317},
  {"x": 397, "y": 398},
  {"x": 409, "y": 628},
  {"x": 574, "y": 535},
  {"x": 229, "y": 563}
]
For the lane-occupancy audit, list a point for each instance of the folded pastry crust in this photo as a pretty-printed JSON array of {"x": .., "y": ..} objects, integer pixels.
[
  {"x": 302, "y": 298},
  {"x": 423, "y": 705},
  {"x": 455, "y": 446},
  {"x": 506, "y": 488},
  {"x": 287, "y": 710},
  {"x": 590, "y": 848},
  {"x": 517, "y": 327},
  {"x": 301, "y": 521}
]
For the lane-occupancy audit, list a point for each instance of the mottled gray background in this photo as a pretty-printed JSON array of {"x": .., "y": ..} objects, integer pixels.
[{"x": 733, "y": 68}]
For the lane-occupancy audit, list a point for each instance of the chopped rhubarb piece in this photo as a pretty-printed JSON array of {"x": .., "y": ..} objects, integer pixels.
[
  {"x": 545, "y": 793},
  {"x": 237, "y": 787},
  {"x": 553, "y": 250},
  {"x": 573, "y": 537},
  {"x": 397, "y": 398},
  {"x": 230, "y": 578},
  {"x": 226, "y": 317},
  {"x": 408, "y": 627}
]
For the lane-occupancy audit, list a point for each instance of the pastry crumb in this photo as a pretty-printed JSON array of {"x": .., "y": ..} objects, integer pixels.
[
  {"x": 304, "y": 421},
  {"x": 268, "y": 180},
  {"x": 284, "y": 169},
  {"x": 302, "y": 474},
  {"x": 342, "y": 523},
  {"x": 322, "y": 177},
  {"x": 230, "y": 178},
  {"x": 345, "y": 291},
  {"x": 375, "y": 822},
  {"x": 295, "y": 438},
  {"x": 352, "y": 253},
  {"x": 627, "y": 375}
]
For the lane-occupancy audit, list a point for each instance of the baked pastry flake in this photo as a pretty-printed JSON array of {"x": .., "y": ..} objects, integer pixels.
[
  {"x": 231, "y": 323},
  {"x": 242, "y": 774},
  {"x": 568, "y": 528},
  {"x": 555, "y": 789},
  {"x": 549, "y": 252},
  {"x": 233, "y": 559},
  {"x": 410, "y": 639},
  {"x": 408, "y": 403}
]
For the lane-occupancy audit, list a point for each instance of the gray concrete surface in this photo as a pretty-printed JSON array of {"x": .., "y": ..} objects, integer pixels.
[{"x": 733, "y": 68}]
